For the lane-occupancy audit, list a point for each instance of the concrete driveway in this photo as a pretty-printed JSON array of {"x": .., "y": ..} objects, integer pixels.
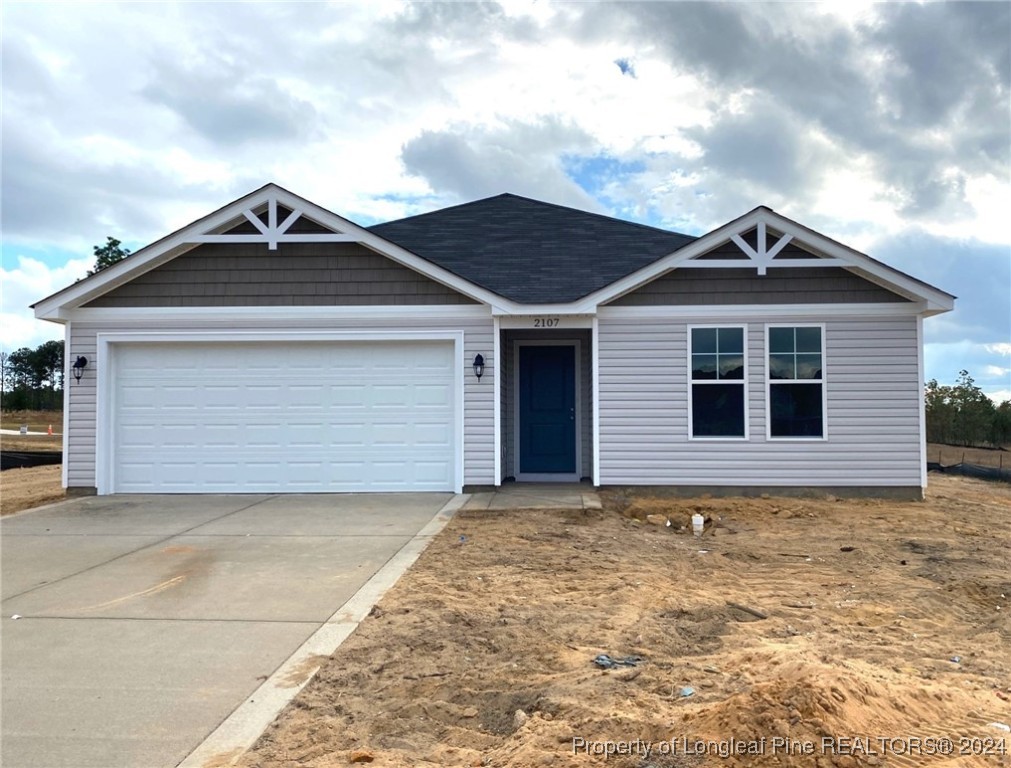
[{"x": 146, "y": 620}]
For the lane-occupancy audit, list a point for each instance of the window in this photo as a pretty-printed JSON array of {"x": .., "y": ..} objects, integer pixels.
[
  {"x": 717, "y": 381},
  {"x": 796, "y": 381}
]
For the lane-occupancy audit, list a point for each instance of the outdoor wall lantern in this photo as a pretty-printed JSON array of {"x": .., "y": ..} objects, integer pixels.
[
  {"x": 79, "y": 365},
  {"x": 479, "y": 366}
]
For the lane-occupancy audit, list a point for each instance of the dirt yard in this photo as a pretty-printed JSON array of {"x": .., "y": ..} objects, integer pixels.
[
  {"x": 807, "y": 632},
  {"x": 29, "y": 487}
]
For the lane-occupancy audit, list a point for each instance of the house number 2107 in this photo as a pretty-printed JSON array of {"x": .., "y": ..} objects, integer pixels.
[{"x": 546, "y": 322}]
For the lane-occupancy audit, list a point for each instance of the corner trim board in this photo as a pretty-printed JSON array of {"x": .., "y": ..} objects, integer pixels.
[
  {"x": 595, "y": 397},
  {"x": 496, "y": 356}
]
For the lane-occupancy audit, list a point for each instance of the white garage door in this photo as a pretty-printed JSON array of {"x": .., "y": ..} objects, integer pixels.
[{"x": 283, "y": 417}]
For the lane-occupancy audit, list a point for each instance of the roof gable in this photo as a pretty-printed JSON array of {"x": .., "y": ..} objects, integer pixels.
[
  {"x": 269, "y": 215},
  {"x": 531, "y": 252},
  {"x": 769, "y": 242}
]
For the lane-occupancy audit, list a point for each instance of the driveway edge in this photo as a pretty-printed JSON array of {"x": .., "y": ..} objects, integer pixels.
[{"x": 237, "y": 733}]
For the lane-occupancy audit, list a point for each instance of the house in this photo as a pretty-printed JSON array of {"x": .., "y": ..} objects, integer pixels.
[{"x": 274, "y": 346}]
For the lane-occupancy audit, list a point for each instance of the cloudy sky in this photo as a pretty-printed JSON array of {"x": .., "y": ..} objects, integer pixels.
[{"x": 885, "y": 126}]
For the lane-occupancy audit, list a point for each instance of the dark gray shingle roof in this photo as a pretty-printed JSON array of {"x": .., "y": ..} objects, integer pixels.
[{"x": 528, "y": 251}]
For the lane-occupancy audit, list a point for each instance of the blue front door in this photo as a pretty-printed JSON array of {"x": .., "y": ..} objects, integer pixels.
[{"x": 547, "y": 400}]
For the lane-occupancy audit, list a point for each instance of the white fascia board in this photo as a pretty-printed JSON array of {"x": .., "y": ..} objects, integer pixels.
[
  {"x": 125, "y": 315},
  {"x": 931, "y": 300},
  {"x": 583, "y": 306},
  {"x": 184, "y": 239},
  {"x": 722, "y": 311}
]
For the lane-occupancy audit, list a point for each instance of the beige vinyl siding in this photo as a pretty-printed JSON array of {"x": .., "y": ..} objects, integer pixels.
[
  {"x": 719, "y": 287},
  {"x": 872, "y": 418},
  {"x": 479, "y": 440},
  {"x": 508, "y": 396},
  {"x": 236, "y": 274}
]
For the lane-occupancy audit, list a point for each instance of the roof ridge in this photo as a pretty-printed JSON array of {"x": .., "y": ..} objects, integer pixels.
[
  {"x": 541, "y": 203},
  {"x": 596, "y": 215},
  {"x": 438, "y": 210}
]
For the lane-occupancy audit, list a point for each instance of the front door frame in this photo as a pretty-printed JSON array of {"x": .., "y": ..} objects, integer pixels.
[{"x": 548, "y": 477}]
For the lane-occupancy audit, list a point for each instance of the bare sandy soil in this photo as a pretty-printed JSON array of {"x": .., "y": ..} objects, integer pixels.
[
  {"x": 29, "y": 487},
  {"x": 883, "y": 623}
]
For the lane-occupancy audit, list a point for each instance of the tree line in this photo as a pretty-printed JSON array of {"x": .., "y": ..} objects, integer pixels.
[
  {"x": 32, "y": 379},
  {"x": 961, "y": 414}
]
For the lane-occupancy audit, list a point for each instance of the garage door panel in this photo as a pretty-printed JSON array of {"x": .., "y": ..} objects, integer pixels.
[
  {"x": 347, "y": 395},
  {"x": 433, "y": 435},
  {"x": 298, "y": 417}
]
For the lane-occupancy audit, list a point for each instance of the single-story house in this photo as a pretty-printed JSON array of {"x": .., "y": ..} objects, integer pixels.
[{"x": 274, "y": 346}]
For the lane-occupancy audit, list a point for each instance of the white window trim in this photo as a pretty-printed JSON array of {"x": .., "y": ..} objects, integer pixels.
[
  {"x": 106, "y": 376},
  {"x": 721, "y": 382},
  {"x": 538, "y": 477},
  {"x": 823, "y": 381}
]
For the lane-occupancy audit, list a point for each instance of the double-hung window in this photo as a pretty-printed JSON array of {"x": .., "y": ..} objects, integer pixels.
[
  {"x": 796, "y": 379},
  {"x": 717, "y": 380}
]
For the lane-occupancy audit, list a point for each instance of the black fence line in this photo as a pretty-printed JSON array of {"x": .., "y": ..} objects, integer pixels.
[
  {"x": 1000, "y": 474},
  {"x": 17, "y": 460}
]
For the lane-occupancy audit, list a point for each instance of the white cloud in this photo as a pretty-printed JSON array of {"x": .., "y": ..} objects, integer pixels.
[
  {"x": 25, "y": 284},
  {"x": 999, "y": 395}
]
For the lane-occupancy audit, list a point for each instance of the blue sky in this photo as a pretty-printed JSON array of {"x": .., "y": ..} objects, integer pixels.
[{"x": 886, "y": 126}]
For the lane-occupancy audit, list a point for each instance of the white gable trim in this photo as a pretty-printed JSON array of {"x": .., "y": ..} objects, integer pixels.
[
  {"x": 208, "y": 229},
  {"x": 838, "y": 255}
]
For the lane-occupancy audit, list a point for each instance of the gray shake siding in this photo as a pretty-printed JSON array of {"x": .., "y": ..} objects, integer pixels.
[
  {"x": 222, "y": 275},
  {"x": 478, "y": 449},
  {"x": 872, "y": 418},
  {"x": 810, "y": 285}
]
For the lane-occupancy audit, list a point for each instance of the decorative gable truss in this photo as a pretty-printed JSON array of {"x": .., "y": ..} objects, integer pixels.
[
  {"x": 760, "y": 255},
  {"x": 762, "y": 240},
  {"x": 264, "y": 218}
]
